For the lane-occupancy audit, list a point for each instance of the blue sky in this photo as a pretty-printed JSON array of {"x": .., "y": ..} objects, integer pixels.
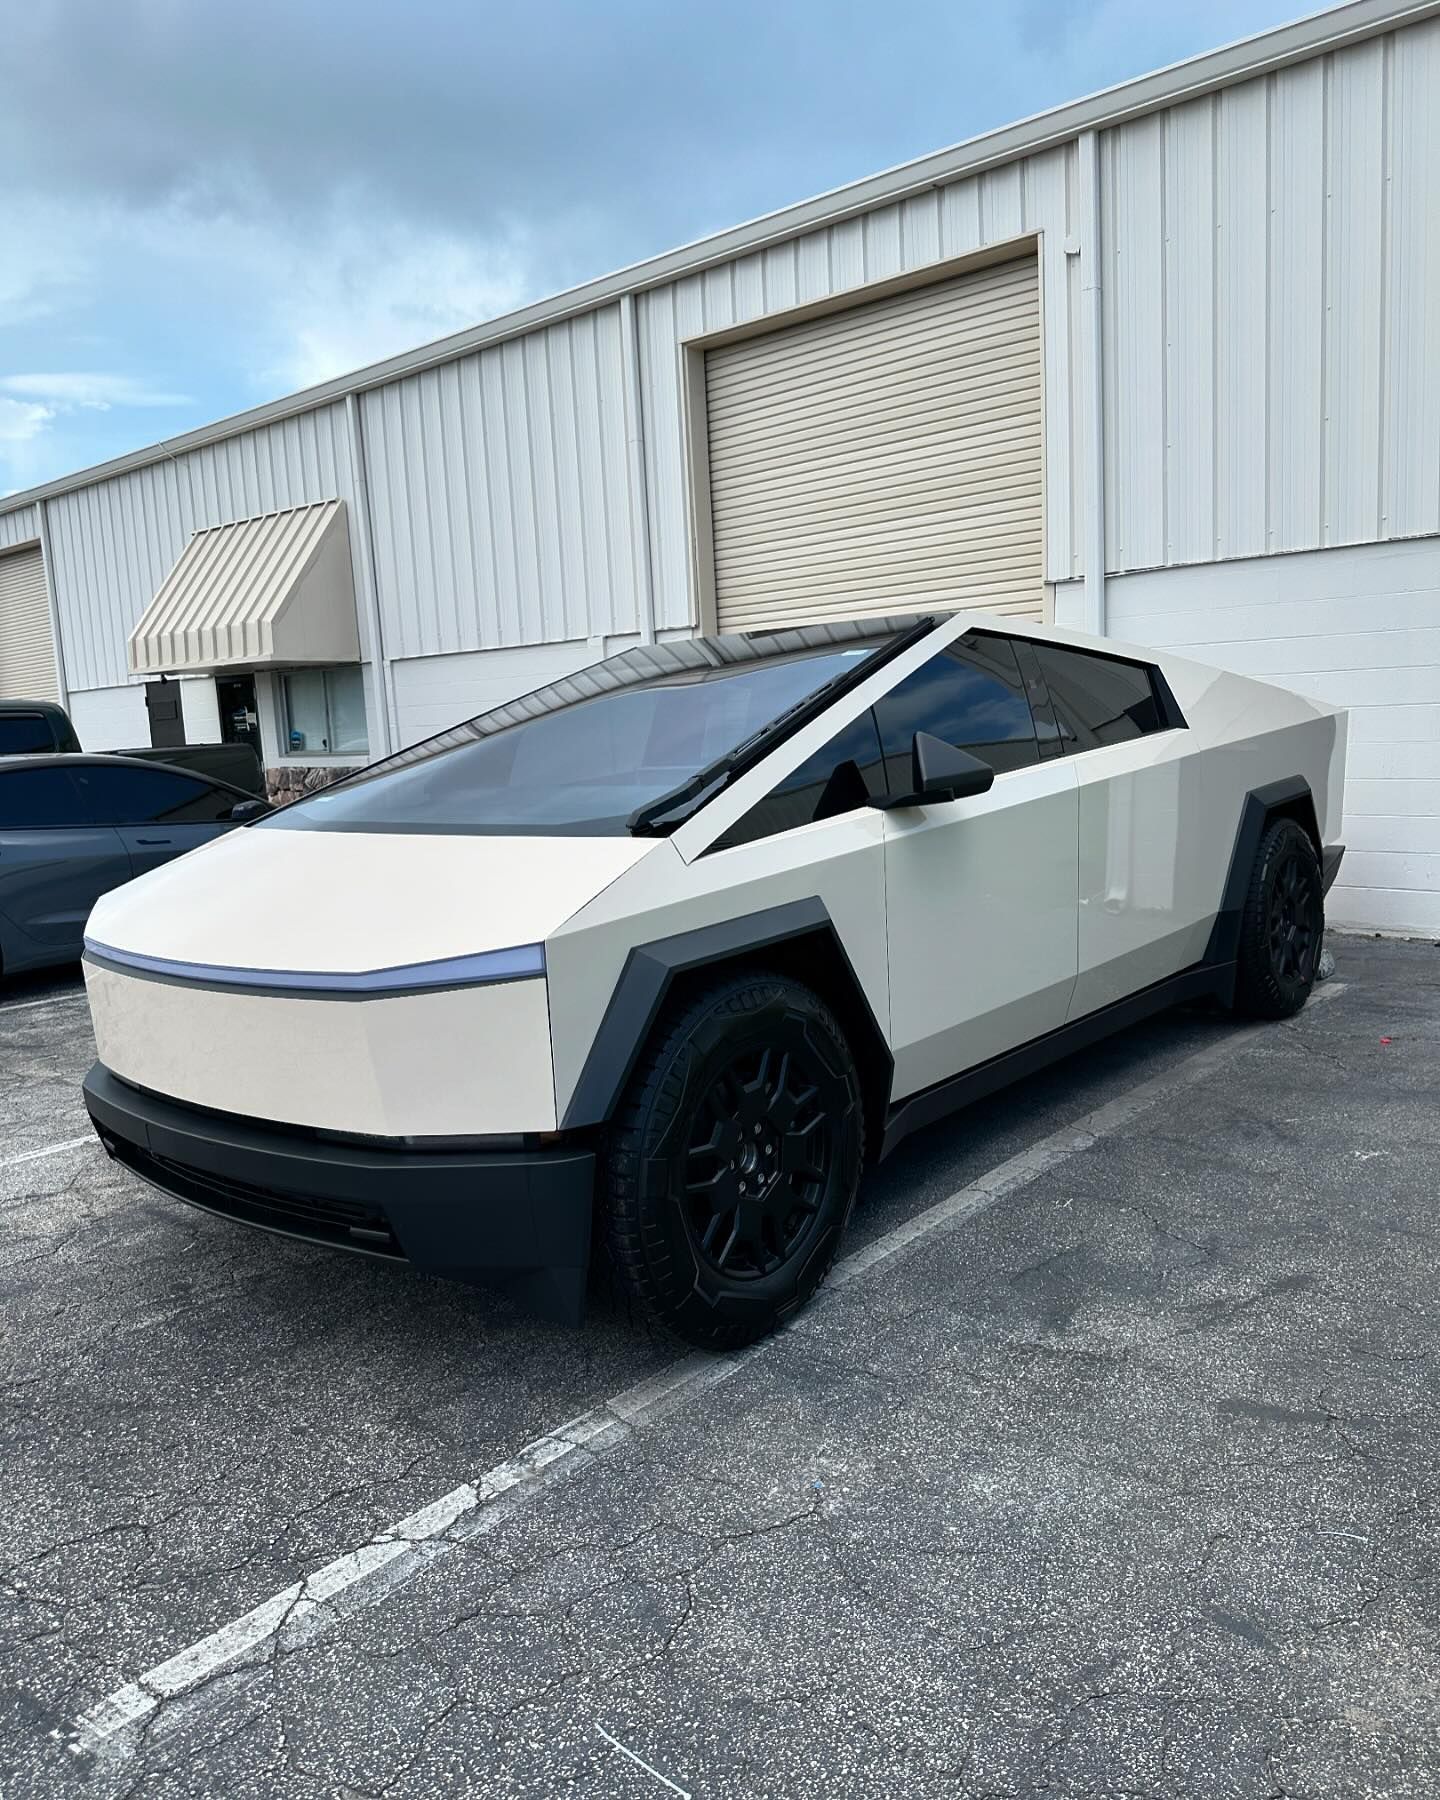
[{"x": 204, "y": 205}]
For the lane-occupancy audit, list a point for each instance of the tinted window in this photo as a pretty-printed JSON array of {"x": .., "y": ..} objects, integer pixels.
[
  {"x": 23, "y": 733},
  {"x": 38, "y": 797},
  {"x": 116, "y": 795},
  {"x": 971, "y": 695},
  {"x": 837, "y": 779},
  {"x": 584, "y": 754},
  {"x": 1098, "y": 700}
]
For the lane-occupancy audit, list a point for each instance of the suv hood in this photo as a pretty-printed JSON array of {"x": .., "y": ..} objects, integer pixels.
[{"x": 333, "y": 902}]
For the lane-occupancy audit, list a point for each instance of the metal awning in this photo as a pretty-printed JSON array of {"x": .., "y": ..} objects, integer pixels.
[{"x": 277, "y": 589}]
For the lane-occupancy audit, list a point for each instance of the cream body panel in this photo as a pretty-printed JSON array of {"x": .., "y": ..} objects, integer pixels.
[
  {"x": 840, "y": 861},
  {"x": 1148, "y": 888},
  {"x": 980, "y": 903},
  {"x": 347, "y": 901},
  {"x": 1159, "y": 817},
  {"x": 453, "y": 1062}
]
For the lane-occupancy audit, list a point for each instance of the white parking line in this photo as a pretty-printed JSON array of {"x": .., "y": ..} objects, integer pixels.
[
  {"x": 393, "y": 1555},
  {"x": 89, "y": 1141},
  {"x": 53, "y": 1000},
  {"x": 641, "y": 1763}
]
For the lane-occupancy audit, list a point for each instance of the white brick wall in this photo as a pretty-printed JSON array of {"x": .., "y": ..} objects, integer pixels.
[{"x": 1358, "y": 627}]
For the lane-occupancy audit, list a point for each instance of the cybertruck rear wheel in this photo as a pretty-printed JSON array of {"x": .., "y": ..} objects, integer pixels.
[
  {"x": 734, "y": 1160},
  {"x": 1282, "y": 927}
]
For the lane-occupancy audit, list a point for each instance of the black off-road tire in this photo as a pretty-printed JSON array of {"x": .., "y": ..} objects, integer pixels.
[
  {"x": 1282, "y": 927},
  {"x": 749, "y": 1081}
]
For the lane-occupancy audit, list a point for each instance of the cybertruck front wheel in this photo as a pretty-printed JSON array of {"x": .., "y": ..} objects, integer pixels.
[
  {"x": 1282, "y": 926},
  {"x": 734, "y": 1160}
]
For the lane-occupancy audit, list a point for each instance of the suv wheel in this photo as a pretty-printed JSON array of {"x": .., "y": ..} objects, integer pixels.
[
  {"x": 1282, "y": 926},
  {"x": 734, "y": 1160}
]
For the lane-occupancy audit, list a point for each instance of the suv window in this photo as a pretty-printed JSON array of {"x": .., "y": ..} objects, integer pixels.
[
  {"x": 22, "y": 733},
  {"x": 32, "y": 798},
  {"x": 972, "y": 696},
  {"x": 1097, "y": 699},
  {"x": 841, "y": 776},
  {"x": 115, "y": 795}
]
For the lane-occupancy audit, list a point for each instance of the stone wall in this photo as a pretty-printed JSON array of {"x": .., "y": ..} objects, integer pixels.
[{"x": 289, "y": 783}]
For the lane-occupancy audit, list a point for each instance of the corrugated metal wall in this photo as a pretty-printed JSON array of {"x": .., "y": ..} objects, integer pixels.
[
  {"x": 1033, "y": 195},
  {"x": 113, "y": 544},
  {"x": 498, "y": 491},
  {"x": 1271, "y": 324},
  {"x": 19, "y": 527},
  {"x": 1271, "y": 312},
  {"x": 499, "y": 483}
]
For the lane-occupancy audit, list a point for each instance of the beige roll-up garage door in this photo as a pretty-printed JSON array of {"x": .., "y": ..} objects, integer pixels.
[
  {"x": 882, "y": 454},
  {"x": 27, "y": 650}
]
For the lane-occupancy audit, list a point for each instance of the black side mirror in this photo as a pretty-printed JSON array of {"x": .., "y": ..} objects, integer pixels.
[
  {"x": 243, "y": 811},
  {"x": 938, "y": 771}
]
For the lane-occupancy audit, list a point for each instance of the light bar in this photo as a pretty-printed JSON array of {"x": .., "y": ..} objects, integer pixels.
[{"x": 518, "y": 963}]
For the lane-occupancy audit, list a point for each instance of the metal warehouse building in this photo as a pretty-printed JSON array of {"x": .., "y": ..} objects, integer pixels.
[{"x": 1164, "y": 363}]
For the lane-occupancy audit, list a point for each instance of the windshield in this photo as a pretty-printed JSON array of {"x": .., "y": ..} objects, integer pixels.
[{"x": 584, "y": 755}]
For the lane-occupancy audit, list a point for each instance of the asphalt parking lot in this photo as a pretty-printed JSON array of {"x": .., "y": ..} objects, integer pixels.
[{"x": 1109, "y": 1464}]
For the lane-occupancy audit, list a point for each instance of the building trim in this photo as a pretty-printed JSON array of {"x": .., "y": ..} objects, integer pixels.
[
  {"x": 1071, "y": 584},
  {"x": 368, "y": 588},
  {"x": 1092, "y": 380},
  {"x": 52, "y": 601},
  {"x": 1317, "y": 35}
]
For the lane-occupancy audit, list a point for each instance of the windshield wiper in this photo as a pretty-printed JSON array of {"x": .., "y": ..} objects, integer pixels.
[{"x": 660, "y": 816}]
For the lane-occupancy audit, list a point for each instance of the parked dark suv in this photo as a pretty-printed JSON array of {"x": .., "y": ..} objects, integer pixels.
[{"x": 39, "y": 727}]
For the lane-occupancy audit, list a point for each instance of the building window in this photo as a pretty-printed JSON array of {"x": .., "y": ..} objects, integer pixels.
[{"x": 325, "y": 713}]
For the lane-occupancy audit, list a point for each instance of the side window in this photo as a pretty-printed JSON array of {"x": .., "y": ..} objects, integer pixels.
[
  {"x": 116, "y": 795},
  {"x": 972, "y": 696},
  {"x": 1097, "y": 699},
  {"x": 32, "y": 798},
  {"x": 838, "y": 778},
  {"x": 21, "y": 734}
]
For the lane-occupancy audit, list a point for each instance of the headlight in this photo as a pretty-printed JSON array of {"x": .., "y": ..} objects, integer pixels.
[{"x": 518, "y": 963}]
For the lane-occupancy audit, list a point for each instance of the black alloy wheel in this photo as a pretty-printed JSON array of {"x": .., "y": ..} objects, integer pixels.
[
  {"x": 734, "y": 1160},
  {"x": 1294, "y": 921},
  {"x": 1283, "y": 925},
  {"x": 755, "y": 1166}
]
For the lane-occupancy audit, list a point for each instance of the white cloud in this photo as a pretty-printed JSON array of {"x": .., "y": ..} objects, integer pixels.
[
  {"x": 266, "y": 308},
  {"x": 362, "y": 295},
  {"x": 22, "y": 420},
  {"x": 39, "y": 271},
  {"x": 100, "y": 392}
]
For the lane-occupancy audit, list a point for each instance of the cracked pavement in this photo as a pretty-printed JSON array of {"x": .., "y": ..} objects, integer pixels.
[{"x": 1127, "y": 1486}]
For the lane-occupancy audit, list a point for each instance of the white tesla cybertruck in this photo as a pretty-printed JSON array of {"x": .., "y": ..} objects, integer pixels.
[{"x": 672, "y": 946}]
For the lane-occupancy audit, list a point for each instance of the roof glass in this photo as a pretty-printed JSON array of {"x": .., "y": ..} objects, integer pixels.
[{"x": 633, "y": 743}]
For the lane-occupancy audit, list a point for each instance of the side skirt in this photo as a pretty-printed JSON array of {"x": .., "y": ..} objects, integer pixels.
[{"x": 1204, "y": 981}]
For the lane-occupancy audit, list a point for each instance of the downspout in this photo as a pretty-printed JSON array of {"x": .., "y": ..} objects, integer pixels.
[
  {"x": 635, "y": 466},
  {"x": 1093, "y": 382},
  {"x": 364, "y": 537}
]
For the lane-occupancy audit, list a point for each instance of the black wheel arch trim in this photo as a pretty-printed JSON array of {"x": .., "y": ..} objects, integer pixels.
[
  {"x": 650, "y": 974},
  {"x": 1259, "y": 806}
]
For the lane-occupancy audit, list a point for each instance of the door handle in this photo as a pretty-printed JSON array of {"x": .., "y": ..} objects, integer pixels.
[{"x": 140, "y": 840}]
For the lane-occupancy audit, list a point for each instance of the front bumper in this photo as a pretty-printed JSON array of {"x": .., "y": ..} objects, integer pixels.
[{"x": 514, "y": 1218}]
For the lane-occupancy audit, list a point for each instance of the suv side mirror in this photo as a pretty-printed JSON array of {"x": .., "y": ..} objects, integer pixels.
[
  {"x": 940, "y": 772},
  {"x": 243, "y": 811}
]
